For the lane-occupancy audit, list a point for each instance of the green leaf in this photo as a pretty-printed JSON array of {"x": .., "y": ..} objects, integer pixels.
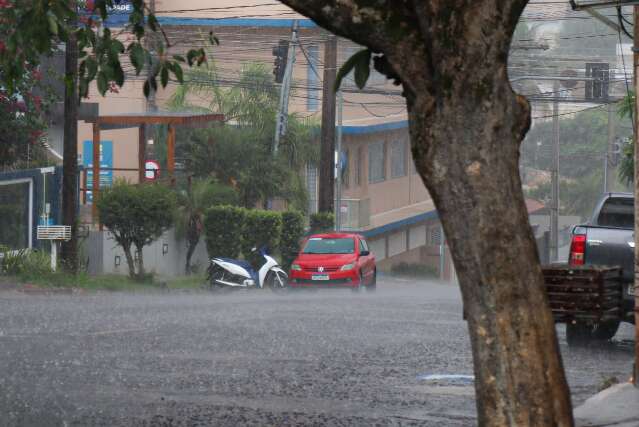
[
  {"x": 153, "y": 22},
  {"x": 190, "y": 56},
  {"x": 177, "y": 70},
  {"x": 164, "y": 76},
  {"x": 360, "y": 62},
  {"x": 118, "y": 74},
  {"x": 103, "y": 82},
  {"x": 213, "y": 39},
  {"x": 137, "y": 57},
  {"x": 146, "y": 89},
  {"x": 53, "y": 24},
  {"x": 179, "y": 58},
  {"x": 83, "y": 88},
  {"x": 92, "y": 68}
]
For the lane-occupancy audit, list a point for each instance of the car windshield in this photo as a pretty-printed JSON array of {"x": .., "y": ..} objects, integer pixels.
[{"x": 329, "y": 246}]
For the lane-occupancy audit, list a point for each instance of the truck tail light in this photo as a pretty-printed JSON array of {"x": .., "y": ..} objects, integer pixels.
[{"x": 578, "y": 249}]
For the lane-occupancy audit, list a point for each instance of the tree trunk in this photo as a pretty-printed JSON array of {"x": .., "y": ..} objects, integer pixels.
[
  {"x": 141, "y": 272},
  {"x": 476, "y": 187},
  {"x": 189, "y": 253},
  {"x": 130, "y": 262},
  {"x": 466, "y": 126},
  {"x": 69, "y": 253}
]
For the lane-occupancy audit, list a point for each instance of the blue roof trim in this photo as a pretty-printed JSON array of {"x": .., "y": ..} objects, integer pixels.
[
  {"x": 236, "y": 22},
  {"x": 397, "y": 225},
  {"x": 382, "y": 127}
]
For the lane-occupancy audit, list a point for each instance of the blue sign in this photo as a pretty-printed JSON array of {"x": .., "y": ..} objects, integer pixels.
[
  {"x": 118, "y": 15},
  {"x": 106, "y": 162}
]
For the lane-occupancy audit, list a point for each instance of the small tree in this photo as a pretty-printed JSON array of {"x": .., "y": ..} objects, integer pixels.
[
  {"x": 201, "y": 195},
  {"x": 322, "y": 222},
  {"x": 223, "y": 227},
  {"x": 292, "y": 233},
  {"x": 136, "y": 215},
  {"x": 261, "y": 229}
]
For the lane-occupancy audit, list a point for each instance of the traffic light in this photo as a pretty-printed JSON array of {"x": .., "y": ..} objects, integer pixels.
[{"x": 280, "y": 52}]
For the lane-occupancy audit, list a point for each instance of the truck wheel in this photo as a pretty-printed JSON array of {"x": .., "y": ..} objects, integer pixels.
[
  {"x": 578, "y": 334},
  {"x": 605, "y": 330}
]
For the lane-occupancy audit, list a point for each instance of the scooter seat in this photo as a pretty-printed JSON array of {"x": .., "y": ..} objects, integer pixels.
[{"x": 242, "y": 263}]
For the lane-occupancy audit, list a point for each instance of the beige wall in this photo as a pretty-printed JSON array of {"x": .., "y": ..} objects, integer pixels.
[{"x": 392, "y": 193}]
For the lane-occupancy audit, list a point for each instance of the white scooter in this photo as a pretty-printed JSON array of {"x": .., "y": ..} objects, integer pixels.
[{"x": 227, "y": 273}]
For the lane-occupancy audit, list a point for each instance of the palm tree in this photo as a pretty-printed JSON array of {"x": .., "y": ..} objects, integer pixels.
[
  {"x": 241, "y": 154},
  {"x": 192, "y": 204}
]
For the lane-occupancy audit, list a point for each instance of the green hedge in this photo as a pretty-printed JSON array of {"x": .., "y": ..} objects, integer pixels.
[
  {"x": 223, "y": 227},
  {"x": 292, "y": 233},
  {"x": 261, "y": 228},
  {"x": 322, "y": 222}
]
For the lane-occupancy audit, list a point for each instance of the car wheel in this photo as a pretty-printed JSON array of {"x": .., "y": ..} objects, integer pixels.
[
  {"x": 605, "y": 330},
  {"x": 360, "y": 284},
  {"x": 578, "y": 334},
  {"x": 372, "y": 286}
]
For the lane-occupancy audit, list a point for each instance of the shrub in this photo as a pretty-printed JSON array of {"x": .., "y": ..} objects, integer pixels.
[
  {"x": 322, "y": 222},
  {"x": 261, "y": 228},
  {"x": 223, "y": 229},
  {"x": 292, "y": 233},
  {"x": 136, "y": 215},
  {"x": 414, "y": 270},
  {"x": 25, "y": 262}
]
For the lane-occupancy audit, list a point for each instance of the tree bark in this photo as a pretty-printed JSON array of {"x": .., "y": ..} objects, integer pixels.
[
  {"x": 141, "y": 271},
  {"x": 70, "y": 152},
  {"x": 466, "y": 126},
  {"x": 130, "y": 262}
]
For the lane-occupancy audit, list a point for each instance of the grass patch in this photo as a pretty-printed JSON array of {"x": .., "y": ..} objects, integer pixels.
[{"x": 107, "y": 282}]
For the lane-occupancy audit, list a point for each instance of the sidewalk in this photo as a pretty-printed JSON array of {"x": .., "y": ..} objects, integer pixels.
[{"x": 617, "y": 406}]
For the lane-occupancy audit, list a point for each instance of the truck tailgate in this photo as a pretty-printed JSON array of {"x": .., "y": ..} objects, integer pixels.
[{"x": 611, "y": 247}]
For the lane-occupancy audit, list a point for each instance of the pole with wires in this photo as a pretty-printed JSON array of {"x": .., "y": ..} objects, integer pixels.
[
  {"x": 635, "y": 50},
  {"x": 282, "y": 111}
]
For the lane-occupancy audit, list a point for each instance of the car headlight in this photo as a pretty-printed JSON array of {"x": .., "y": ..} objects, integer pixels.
[
  {"x": 296, "y": 267},
  {"x": 348, "y": 267}
]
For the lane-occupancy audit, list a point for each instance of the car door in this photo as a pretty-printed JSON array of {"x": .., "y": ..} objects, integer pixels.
[{"x": 367, "y": 262}]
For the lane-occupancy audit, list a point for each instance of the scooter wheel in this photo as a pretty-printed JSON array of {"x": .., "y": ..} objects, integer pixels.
[{"x": 277, "y": 282}]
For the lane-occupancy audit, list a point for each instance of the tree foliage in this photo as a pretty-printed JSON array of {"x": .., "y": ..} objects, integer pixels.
[
  {"x": 136, "y": 215},
  {"x": 34, "y": 28},
  {"x": 292, "y": 234},
  {"x": 240, "y": 154},
  {"x": 262, "y": 229}
]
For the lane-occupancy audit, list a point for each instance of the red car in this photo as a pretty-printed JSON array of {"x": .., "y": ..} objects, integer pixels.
[{"x": 334, "y": 260}]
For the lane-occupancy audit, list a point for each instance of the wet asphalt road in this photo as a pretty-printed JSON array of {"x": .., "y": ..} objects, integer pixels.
[{"x": 252, "y": 358}]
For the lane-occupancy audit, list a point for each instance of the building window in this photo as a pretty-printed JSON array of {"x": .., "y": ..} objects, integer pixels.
[
  {"x": 398, "y": 159},
  {"x": 346, "y": 170},
  {"x": 312, "y": 74},
  {"x": 359, "y": 166},
  {"x": 376, "y": 162}
]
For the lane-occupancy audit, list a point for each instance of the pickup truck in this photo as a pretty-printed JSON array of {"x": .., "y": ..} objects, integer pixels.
[{"x": 606, "y": 240}]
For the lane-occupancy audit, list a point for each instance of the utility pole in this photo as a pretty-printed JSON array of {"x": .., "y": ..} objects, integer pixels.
[
  {"x": 338, "y": 165},
  {"x": 70, "y": 150},
  {"x": 327, "y": 149},
  {"x": 554, "y": 208},
  {"x": 609, "y": 177},
  {"x": 282, "y": 111},
  {"x": 636, "y": 191}
]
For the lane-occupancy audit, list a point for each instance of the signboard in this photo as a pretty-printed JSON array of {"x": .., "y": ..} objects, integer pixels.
[
  {"x": 118, "y": 15},
  {"x": 152, "y": 170},
  {"x": 106, "y": 162}
]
